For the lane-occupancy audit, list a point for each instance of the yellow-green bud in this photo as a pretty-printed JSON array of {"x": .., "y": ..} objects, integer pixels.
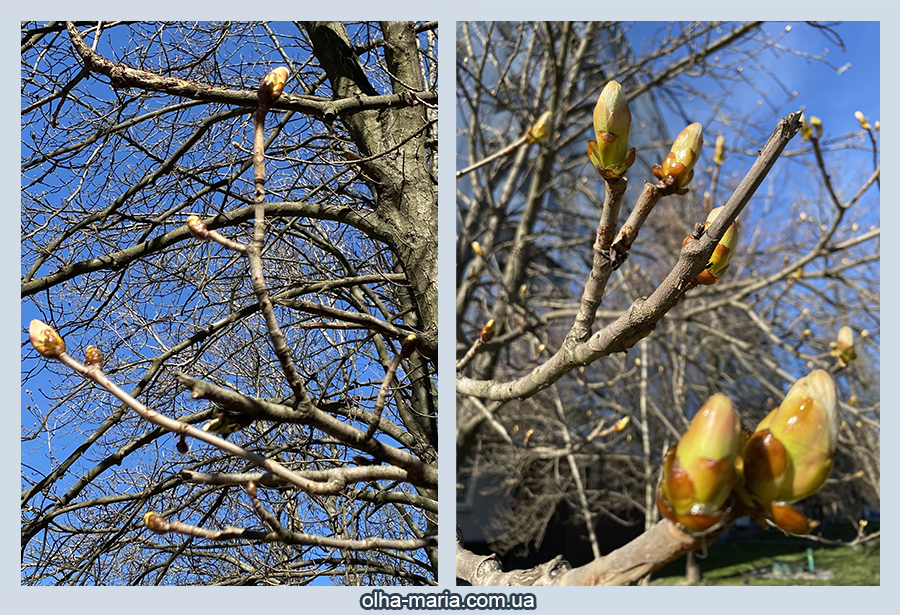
[
  {"x": 806, "y": 131},
  {"x": 844, "y": 348},
  {"x": 699, "y": 472},
  {"x": 225, "y": 425},
  {"x": 719, "y": 157},
  {"x": 679, "y": 163},
  {"x": 863, "y": 120},
  {"x": 816, "y": 123},
  {"x": 46, "y": 340},
  {"x": 612, "y": 128},
  {"x": 722, "y": 255},
  {"x": 156, "y": 523},
  {"x": 540, "y": 129},
  {"x": 790, "y": 454}
]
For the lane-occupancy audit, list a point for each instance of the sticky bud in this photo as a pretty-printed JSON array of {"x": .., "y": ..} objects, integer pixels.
[
  {"x": 197, "y": 227},
  {"x": 272, "y": 86},
  {"x": 487, "y": 331},
  {"x": 863, "y": 121},
  {"x": 719, "y": 156},
  {"x": 723, "y": 253},
  {"x": 540, "y": 129},
  {"x": 408, "y": 346},
  {"x": 622, "y": 423},
  {"x": 816, "y": 123},
  {"x": 679, "y": 163},
  {"x": 527, "y": 437},
  {"x": 477, "y": 249},
  {"x": 789, "y": 456},
  {"x": 698, "y": 472},
  {"x": 93, "y": 357},
  {"x": 225, "y": 425},
  {"x": 806, "y": 131},
  {"x": 46, "y": 340},
  {"x": 156, "y": 523},
  {"x": 612, "y": 128},
  {"x": 844, "y": 350}
]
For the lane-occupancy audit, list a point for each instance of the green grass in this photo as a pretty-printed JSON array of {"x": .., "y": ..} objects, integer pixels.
[{"x": 730, "y": 563}]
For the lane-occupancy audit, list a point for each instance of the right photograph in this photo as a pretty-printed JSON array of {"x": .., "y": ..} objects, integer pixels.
[{"x": 668, "y": 269}]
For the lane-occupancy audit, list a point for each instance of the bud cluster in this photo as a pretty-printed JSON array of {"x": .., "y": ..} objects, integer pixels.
[{"x": 786, "y": 459}]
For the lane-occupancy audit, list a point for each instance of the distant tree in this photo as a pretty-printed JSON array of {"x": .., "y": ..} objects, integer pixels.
[
  {"x": 296, "y": 317},
  {"x": 602, "y": 346}
]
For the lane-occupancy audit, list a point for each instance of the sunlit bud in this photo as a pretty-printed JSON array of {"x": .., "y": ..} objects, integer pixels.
[
  {"x": 541, "y": 349},
  {"x": 637, "y": 362},
  {"x": 272, "y": 86},
  {"x": 863, "y": 120},
  {"x": 719, "y": 156},
  {"x": 225, "y": 425},
  {"x": 806, "y": 131},
  {"x": 477, "y": 249},
  {"x": 844, "y": 348},
  {"x": 854, "y": 227},
  {"x": 156, "y": 523},
  {"x": 679, "y": 163},
  {"x": 46, "y": 340},
  {"x": 864, "y": 333},
  {"x": 789, "y": 455},
  {"x": 803, "y": 216},
  {"x": 877, "y": 126},
  {"x": 852, "y": 400},
  {"x": 622, "y": 423},
  {"x": 409, "y": 345},
  {"x": 805, "y": 333},
  {"x": 527, "y": 437},
  {"x": 523, "y": 290},
  {"x": 723, "y": 253},
  {"x": 93, "y": 357},
  {"x": 698, "y": 472},
  {"x": 804, "y": 312},
  {"x": 487, "y": 331},
  {"x": 197, "y": 227},
  {"x": 816, "y": 123},
  {"x": 612, "y": 128},
  {"x": 540, "y": 129}
]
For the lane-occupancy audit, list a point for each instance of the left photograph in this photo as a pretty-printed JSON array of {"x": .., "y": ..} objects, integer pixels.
[{"x": 229, "y": 303}]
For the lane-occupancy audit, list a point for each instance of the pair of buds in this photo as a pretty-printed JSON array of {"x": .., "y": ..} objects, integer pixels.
[
  {"x": 786, "y": 459},
  {"x": 612, "y": 127}
]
